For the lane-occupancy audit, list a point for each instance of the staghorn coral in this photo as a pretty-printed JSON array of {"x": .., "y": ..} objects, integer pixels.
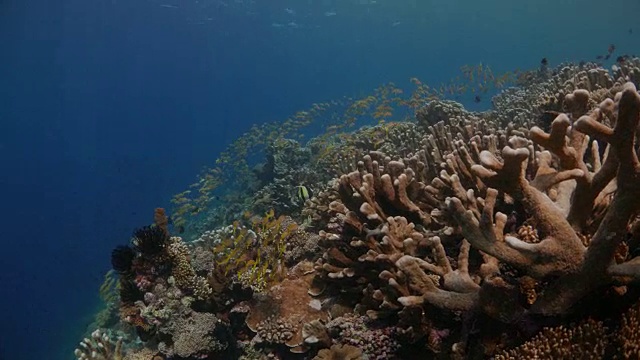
[
  {"x": 561, "y": 253},
  {"x": 386, "y": 211},
  {"x": 399, "y": 224}
]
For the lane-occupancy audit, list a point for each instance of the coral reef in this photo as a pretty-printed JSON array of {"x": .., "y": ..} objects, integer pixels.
[
  {"x": 394, "y": 230},
  {"x": 510, "y": 233}
]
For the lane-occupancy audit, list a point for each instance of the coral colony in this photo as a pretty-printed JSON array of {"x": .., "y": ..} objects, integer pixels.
[{"x": 509, "y": 234}]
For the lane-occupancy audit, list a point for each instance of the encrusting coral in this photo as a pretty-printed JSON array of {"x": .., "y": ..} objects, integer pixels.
[{"x": 280, "y": 315}]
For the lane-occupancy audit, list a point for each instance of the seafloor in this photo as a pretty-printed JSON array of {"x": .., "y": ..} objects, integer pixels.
[{"x": 507, "y": 234}]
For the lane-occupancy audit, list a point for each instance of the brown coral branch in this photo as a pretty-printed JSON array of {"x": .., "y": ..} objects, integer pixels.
[
  {"x": 559, "y": 253},
  {"x": 628, "y": 268},
  {"x": 459, "y": 291},
  {"x": 421, "y": 283},
  {"x": 600, "y": 254}
]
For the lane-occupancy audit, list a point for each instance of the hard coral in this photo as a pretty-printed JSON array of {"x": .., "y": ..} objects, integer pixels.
[
  {"x": 375, "y": 342},
  {"x": 561, "y": 254},
  {"x": 589, "y": 339},
  {"x": 388, "y": 210},
  {"x": 280, "y": 314},
  {"x": 99, "y": 347},
  {"x": 584, "y": 341},
  {"x": 339, "y": 352},
  {"x": 193, "y": 335},
  {"x": 183, "y": 273},
  {"x": 507, "y": 221}
]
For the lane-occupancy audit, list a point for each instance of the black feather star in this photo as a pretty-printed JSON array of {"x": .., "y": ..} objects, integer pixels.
[
  {"x": 150, "y": 240},
  {"x": 122, "y": 259},
  {"x": 129, "y": 292}
]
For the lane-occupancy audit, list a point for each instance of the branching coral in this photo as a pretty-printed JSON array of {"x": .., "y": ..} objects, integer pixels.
[
  {"x": 387, "y": 211},
  {"x": 537, "y": 220},
  {"x": 583, "y": 341},
  {"x": 541, "y": 94},
  {"x": 99, "y": 347},
  {"x": 589, "y": 339},
  {"x": 561, "y": 253}
]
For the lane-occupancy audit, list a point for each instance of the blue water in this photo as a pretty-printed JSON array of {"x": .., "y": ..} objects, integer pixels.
[{"x": 108, "y": 107}]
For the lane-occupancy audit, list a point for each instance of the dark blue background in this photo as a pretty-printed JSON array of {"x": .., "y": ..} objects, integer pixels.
[{"x": 108, "y": 107}]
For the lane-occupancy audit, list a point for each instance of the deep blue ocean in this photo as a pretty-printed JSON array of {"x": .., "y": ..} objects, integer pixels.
[{"x": 109, "y": 107}]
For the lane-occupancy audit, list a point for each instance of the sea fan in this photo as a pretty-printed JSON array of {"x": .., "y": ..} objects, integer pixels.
[
  {"x": 150, "y": 240},
  {"x": 122, "y": 259}
]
